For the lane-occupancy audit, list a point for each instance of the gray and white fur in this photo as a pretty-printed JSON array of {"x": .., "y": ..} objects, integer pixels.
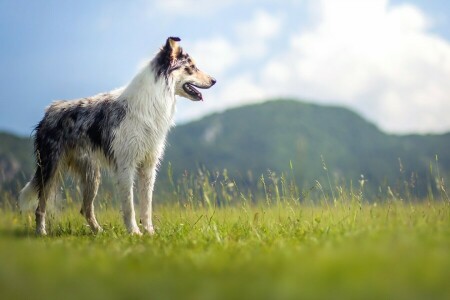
[{"x": 125, "y": 129}]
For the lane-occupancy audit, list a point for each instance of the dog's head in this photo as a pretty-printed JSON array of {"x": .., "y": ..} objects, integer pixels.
[{"x": 173, "y": 62}]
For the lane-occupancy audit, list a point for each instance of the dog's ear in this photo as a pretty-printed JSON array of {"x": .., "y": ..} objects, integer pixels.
[
  {"x": 172, "y": 47},
  {"x": 167, "y": 59}
]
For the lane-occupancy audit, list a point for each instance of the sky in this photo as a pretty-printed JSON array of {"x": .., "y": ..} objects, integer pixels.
[{"x": 387, "y": 60}]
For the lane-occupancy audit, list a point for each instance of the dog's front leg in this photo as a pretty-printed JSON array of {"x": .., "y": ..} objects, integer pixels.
[
  {"x": 147, "y": 174},
  {"x": 125, "y": 180}
]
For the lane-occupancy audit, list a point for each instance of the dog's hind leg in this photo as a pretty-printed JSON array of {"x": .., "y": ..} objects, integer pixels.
[
  {"x": 90, "y": 184},
  {"x": 89, "y": 174},
  {"x": 90, "y": 188},
  {"x": 40, "y": 213},
  {"x": 46, "y": 190}
]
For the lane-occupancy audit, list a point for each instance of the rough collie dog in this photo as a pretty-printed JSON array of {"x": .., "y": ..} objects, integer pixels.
[{"x": 125, "y": 128}]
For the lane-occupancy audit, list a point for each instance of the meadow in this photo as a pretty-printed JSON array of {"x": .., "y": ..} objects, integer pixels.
[{"x": 339, "y": 246}]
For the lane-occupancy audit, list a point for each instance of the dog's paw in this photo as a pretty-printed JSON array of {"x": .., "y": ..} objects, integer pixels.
[
  {"x": 41, "y": 231},
  {"x": 97, "y": 230},
  {"x": 135, "y": 231},
  {"x": 149, "y": 230}
]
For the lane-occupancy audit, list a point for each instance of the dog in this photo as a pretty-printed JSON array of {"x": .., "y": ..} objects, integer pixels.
[{"x": 125, "y": 129}]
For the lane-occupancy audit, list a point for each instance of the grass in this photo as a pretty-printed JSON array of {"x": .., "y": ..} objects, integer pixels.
[{"x": 288, "y": 250}]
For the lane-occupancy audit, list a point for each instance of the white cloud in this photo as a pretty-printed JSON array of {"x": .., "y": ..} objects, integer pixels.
[
  {"x": 190, "y": 7},
  {"x": 263, "y": 26},
  {"x": 251, "y": 41},
  {"x": 254, "y": 35},
  {"x": 377, "y": 58},
  {"x": 214, "y": 55},
  {"x": 239, "y": 90}
]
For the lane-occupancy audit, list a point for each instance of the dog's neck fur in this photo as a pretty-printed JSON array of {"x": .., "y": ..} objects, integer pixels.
[
  {"x": 151, "y": 97},
  {"x": 150, "y": 105}
]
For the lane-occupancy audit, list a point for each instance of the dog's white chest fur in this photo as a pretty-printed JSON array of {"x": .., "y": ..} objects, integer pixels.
[{"x": 150, "y": 111}]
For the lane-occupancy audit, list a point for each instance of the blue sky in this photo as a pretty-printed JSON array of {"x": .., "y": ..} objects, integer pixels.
[{"x": 388, "y": 60}]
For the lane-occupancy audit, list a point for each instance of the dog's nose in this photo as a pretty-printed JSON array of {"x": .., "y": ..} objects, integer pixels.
[{"x": 213, "y": 81}]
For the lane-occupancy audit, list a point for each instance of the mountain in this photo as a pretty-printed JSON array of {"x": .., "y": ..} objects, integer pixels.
[
  {"x": 248, "y": 141},
  {"x": 16, "y": 160},
  {"x": 271, "y": 135}
]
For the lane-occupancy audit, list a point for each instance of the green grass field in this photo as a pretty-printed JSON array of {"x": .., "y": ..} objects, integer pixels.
[{"x": 342, "y": 250}]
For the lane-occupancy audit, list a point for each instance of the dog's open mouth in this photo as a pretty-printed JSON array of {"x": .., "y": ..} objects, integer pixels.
[{"x": 191, "y": 90}]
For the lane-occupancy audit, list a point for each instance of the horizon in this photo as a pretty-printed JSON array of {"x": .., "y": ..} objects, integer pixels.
[{"x": 267, "y": 101}]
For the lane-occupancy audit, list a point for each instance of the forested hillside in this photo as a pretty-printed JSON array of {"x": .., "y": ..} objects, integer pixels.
[{"x": 319, "y": 142}]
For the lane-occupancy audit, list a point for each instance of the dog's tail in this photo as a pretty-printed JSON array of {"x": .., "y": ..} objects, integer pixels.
[{"x": 28, "y": 196}]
